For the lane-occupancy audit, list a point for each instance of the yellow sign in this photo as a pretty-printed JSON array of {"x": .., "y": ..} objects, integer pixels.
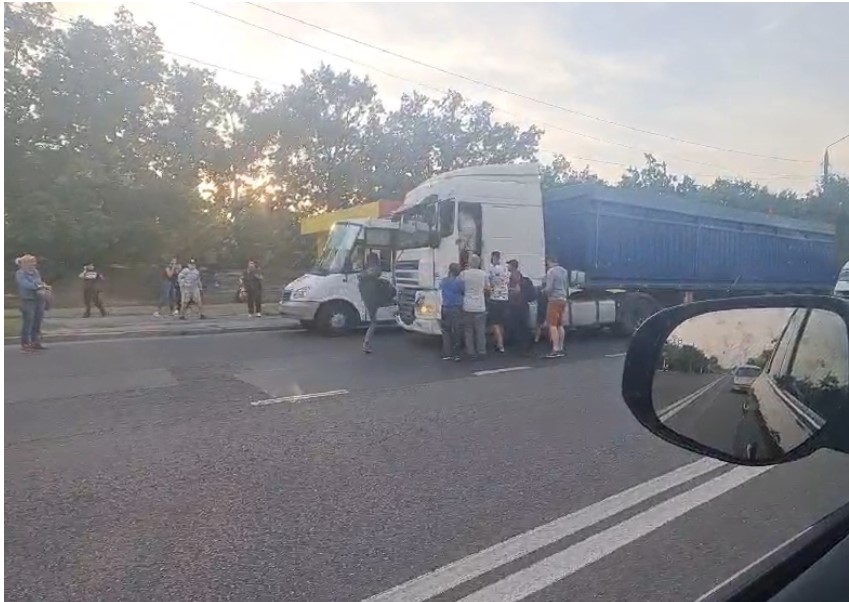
[{"x": 324, "y": 221}]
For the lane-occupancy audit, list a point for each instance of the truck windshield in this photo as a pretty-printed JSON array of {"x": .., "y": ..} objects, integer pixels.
[{"x": 337, "y": 249}]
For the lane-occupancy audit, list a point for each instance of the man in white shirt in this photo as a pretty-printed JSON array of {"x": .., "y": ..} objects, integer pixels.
[
  {"x": 498, "y": 310},
  {"x": 475, "y": 283}
]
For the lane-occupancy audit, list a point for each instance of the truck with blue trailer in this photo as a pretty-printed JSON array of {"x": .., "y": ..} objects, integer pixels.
[{"x": 628, "y": 252}]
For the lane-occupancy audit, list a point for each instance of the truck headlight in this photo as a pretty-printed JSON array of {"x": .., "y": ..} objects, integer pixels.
[
  {"x": 300, "y": 293},
  {"x": 425, "y": 307}
]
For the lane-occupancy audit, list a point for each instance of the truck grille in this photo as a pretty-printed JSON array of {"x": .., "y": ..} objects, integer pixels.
[
  {"x": 407, "y": 272},
  {"x": 407, "y": 305}
]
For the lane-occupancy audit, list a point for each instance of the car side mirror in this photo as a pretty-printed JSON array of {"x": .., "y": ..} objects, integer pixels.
[{"x": 750, "y": 380}]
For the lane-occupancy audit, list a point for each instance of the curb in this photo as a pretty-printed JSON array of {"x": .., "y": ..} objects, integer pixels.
[{"x": 141, "y": 334}]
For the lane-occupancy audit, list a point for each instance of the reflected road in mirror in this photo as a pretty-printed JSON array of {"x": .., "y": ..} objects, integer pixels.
[{"x": 753, "y": 383}]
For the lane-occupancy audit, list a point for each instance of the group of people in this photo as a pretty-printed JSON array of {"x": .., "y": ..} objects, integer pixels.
[
  {"x": 180, "y": 287},
  {"x": 499, "y": 298}
]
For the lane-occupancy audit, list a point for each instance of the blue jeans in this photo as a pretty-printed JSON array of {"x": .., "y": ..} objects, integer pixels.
[
  {"x": 167, "y": 295},
  {"x": 32, "y": 312}
]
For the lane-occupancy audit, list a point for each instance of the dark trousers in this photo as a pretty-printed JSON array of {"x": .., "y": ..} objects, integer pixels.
[
  {"x": 32, "y": 312},
  {"x": 254, "y": 300},
  {"x": 91, "y": 297},
  {"x": 452, "y": 328},
  {"x": 519, "y": 327}
]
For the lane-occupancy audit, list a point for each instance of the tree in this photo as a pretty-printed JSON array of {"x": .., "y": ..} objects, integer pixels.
[{"x": 560, "y": 172}]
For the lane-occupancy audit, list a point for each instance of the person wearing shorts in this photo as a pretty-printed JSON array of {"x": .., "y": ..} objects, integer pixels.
[
  {"x": 498, "y": 308},
  {"x": 557, "y": 292}
]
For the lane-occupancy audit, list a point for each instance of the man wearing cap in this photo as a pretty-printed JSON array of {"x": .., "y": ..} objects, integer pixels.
[{"x": 190, "y": 289}]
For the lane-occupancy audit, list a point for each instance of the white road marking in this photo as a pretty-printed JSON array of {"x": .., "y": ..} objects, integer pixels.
[
  {"x": 500, "y": 370},
  {"x": 682, "y": 403},
  {"x": 297, "y": 398},
  {"x": 617, "y": 354},
  {"x": 562, "y": 564},
  {"x": 453, "y": 574}
]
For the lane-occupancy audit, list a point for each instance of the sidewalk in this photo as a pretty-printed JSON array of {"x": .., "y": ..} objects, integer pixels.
[{"x": 67, "y": 324}]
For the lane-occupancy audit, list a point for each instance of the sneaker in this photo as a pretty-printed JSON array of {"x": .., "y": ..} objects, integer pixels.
[
  {"x": 182, "y": 317},
  {"x": 174, "y": 313},
  {"x": 27, "y": 348},
  {"x": 202, "y": 317},
  {"x": 156, "y": 314},
  {"x": 258, "y": 315},
  {"x": 551, "y": 355},
  {"x": 447, "y": 358},
  {"x": 366, "y": 350},
  {"x": 250, "y": 315},
  {"x": 37, "y": 347},
  {"x": 500, "y": 350},
  {"x": 457, "y": 358}
]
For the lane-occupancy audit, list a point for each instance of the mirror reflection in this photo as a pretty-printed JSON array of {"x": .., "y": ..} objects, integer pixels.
[{"x": 753, "y": 383}]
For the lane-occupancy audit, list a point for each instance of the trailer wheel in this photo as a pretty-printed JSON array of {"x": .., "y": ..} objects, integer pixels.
[
  {"x": 634, "y": 309},
  {"x": 336, "y": 318}
]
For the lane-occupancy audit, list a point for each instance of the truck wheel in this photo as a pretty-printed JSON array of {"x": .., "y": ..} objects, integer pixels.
[
  {"x": 634, "y": 309},
  {"x": 336, "y": 318}
]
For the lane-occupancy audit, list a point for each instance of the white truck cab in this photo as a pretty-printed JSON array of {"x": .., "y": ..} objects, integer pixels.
[
  {"x": 472, "y": 210},
  {"x": 327, "y": 298}
]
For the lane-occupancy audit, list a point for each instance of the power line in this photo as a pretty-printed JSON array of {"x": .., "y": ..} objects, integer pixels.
[
  {"x": 439, "y": 90},
  {"x": 429, "y": 87},
  {"x": 521, "y": 95}
]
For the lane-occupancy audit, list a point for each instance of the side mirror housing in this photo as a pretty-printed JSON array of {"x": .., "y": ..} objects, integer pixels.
[{"x": 750, "y": 380}]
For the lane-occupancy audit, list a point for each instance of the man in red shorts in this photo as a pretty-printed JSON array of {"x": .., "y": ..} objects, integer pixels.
[{"x": 557, "y": 291}]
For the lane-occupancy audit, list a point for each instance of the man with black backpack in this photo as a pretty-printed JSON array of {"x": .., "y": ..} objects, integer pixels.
[{"x": 521, "y": 292}]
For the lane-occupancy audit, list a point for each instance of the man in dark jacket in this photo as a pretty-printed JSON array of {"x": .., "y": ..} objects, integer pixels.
[
  {"x": 376, "y": 293},
  {"x": 92, "y": 287}
]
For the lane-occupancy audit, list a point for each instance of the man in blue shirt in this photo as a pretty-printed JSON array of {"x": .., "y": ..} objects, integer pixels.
[
  {"x": 452, "y": 289},
  {"x": 32, "y": 292}
]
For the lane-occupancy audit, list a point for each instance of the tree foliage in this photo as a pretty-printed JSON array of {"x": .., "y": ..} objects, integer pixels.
[{"x": 116, "y": 155}]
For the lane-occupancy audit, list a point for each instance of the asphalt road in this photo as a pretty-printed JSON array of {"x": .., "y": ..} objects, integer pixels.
[
  {"x": 708, "y": 411},
  {"x": 283, "y": 466}
]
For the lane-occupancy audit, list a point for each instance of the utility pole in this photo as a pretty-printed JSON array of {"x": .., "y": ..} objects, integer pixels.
[{"x": 825, "y": 158}]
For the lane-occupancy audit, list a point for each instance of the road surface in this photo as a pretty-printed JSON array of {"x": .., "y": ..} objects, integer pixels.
[
  {"x": 709, "y": 412},
  {"x": 283, "y": 466}
]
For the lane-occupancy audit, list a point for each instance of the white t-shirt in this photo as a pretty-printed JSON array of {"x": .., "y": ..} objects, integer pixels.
[
  {"x": 474, "y": 281},
  {"x": 499, "y": 281}
]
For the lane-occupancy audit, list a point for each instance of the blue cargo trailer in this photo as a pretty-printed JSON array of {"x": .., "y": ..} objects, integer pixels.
[{"x": 658, "y": 250}]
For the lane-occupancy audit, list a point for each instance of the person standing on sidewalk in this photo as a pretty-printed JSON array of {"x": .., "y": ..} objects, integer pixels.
[
  {"x": 498, "y": 307},
  {"x": 451, "y": 288},
  {"x": 32, "y": 293},
  {"x": 167, "y": 287},
  {"x": 376, "y": 293},
  {"x": 557, "y": 292},
  {"x": 251, "y": 281},
  {"x": 92, "y": 287},
  {"x": 190, "y": 289},
  {"x": 475, "y": 285}
]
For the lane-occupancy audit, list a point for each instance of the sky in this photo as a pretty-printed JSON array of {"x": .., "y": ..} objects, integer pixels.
[{"x": 768, "y": 79}]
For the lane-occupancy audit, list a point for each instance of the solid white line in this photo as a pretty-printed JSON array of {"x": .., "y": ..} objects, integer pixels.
[
  {"x": 682, "y": 403},
  {"x": 562, "y": 564},
  {"x": 297, "y": 398},
  {"x": 500, "y": 370},
  {"x": 617, "y": 354},
  {"x": 453, "y": 574}
]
